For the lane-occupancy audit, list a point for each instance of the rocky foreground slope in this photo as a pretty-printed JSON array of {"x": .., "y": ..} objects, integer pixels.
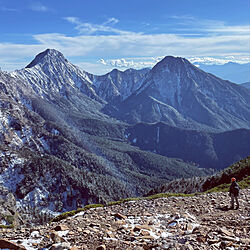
[{"x": 196, "y": 222}]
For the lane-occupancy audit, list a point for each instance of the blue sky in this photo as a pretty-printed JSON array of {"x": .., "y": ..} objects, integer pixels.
[{"x": 99, "y": 35}]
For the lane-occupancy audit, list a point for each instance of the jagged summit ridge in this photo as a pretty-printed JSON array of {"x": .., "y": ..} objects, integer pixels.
[
  {"x": 47, "y": 56},
  {"x": 201, "y": 100},
  {"x": 176, "y": 65},
  {"x": 118, "y": 85},
  {"x": 51, "y": 73},
  {"x": 172, "y": 60},
  {"x": 168, "y": 75}
]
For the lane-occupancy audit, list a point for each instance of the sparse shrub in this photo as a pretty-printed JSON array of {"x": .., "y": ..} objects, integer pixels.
[
  {"x": 112, "y": 203},
  {"x": 92, "y": 206},
  {"x": 165, "y": 195},
  {"x": 9, "y": 219},
  {"x": 7, "y": 226},
  {"x": 64, "y": 216}
]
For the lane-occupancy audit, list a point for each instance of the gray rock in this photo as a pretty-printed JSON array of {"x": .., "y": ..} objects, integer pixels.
[{"x": 61, "y": 246}]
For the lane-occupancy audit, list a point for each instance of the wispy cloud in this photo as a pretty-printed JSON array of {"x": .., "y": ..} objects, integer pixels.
[
  {"x": 127, "y": 47},
  {"x": 37, "y": 6},
  {"x": 190, "y": 23},
  {"x": 219, "y": 60},
  {"x": 244, "y": 29},
  {"x": 110, "y": 21},
  {"x": 114, "y": 47},
  {"x": 147, "y": 45},
  {"x": 148, "y": 62},
  {"x": 8, "y": 9},
  {"x": 93, "y": 29}
]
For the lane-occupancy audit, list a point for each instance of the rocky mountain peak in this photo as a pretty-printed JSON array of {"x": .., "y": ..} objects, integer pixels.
[
  {"x": 173, "y": 64},
  {"x": 50, "y": 73},
  {"x": 115, "y": 71},
  {"x": 47, "y": 56},
  {"x": 180, "y": 94}
]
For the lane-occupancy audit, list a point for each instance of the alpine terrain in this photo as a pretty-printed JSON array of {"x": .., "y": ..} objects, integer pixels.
[
  {"x": 180, "y": 94},
  {"x": 59, "y": 150},
  {"x": 70, "y": 138},
  {"x": 231, "y": 71}
]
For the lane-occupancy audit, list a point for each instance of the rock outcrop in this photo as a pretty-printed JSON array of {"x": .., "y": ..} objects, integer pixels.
[
  {"x": 8, "y": 211},
  {"x": 197, "y": 222}
]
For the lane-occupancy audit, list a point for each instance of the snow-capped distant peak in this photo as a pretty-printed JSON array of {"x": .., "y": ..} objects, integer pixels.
[
  {"x": 46, "y": 56},
  {"x": 50, "y": 73}
]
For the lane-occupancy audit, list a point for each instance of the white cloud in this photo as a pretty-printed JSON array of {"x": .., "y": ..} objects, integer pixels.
[
  {"x": 128, "y": 46},
  {"x": 115, "y": 43},
  {"x": 8, "y": 9},
  {"x": 149, "y": 62},
  {"x": 122, "y": 63},
  {"x": 90, "y": 28},
  {"x": 102, "y": 61},
  {"x": 37, "y": 6},
  {"x": 244, "y": 29},
  {"x": 111, "y": 46},
  {"x": 219, "y": 60},
  {"x": 119, "y": 48},
  {"x": 190, "y": 23},
  {"x": 136, "y": 63},
  {"x": 111, "y": 20}
]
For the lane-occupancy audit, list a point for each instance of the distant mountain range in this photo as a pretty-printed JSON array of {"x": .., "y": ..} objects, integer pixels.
[
  {"x": 246, "y": 85},
  {"x": 68, "y": 137},
  {"x": 234, "y": 72}
]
